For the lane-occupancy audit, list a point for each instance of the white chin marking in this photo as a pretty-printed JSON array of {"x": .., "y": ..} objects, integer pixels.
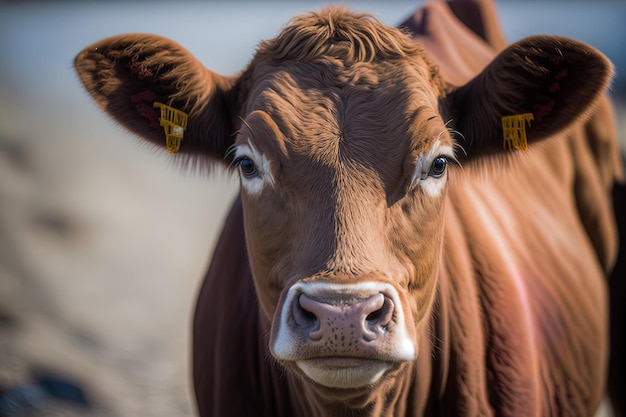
[{"x": 362, "y": 374}]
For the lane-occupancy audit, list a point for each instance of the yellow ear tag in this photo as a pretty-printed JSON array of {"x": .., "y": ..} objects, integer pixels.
[
  {"x": 174, "y": 123},
  {"x": 514, "y": 130}
]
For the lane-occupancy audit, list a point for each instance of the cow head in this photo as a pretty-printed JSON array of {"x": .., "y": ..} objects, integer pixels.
[{"x": 342, "y": 133}]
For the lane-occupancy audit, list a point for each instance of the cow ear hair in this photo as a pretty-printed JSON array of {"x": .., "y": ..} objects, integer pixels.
[
  {"x": 541, "y": 84},
  {"x": 127, "y": 74}
]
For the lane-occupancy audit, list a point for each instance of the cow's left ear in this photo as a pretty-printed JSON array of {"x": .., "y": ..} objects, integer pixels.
[{"x": 531, "y": 90}]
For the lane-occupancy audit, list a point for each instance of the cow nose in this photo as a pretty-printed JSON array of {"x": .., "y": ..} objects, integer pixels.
[{"x": 337, "y": 317}]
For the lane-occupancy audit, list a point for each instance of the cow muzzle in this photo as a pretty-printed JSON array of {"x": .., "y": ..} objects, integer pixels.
[{"x": 342, "y": 335}]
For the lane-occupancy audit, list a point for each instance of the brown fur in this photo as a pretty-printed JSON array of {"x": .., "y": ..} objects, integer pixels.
[{"x": 500, "y": 274}]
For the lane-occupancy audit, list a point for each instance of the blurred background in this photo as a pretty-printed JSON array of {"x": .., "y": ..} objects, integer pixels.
[{"x": 103, "y": 242}]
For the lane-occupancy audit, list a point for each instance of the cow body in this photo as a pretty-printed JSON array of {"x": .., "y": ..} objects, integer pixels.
[
  {"x": 519, "y": 302},
  {"x": 361, "y": 272}
]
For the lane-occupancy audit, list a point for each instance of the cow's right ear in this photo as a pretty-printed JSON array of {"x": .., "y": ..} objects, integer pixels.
[{"x": 126, "y": 75}]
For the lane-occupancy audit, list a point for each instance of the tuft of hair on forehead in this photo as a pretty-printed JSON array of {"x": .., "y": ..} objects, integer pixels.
[{"x": 337, "y": 32}]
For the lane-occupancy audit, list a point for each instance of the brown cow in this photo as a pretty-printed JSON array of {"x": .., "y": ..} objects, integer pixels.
[{"x": 402, "y": 256}]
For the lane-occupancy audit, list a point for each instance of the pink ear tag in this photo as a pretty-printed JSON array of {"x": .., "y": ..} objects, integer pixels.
[
  {"x": 174, "y": 123},
  {"x": 514, "y": 130}
]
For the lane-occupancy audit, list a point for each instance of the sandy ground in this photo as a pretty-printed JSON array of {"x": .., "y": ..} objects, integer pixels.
[
  {"x": 102, "y": 247},
  {"x": 99, "y": 262}
]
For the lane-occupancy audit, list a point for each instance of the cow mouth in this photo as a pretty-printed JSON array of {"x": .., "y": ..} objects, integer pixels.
[{"x": 343, "y": 372}]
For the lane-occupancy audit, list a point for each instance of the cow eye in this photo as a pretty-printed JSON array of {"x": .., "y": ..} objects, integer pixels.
[
  {"x": 247, "y": 167},
  {"x": 438, "y": 168}
]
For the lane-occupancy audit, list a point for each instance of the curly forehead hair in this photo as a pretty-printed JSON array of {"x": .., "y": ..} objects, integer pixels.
[{"x": 337, "y": 32}]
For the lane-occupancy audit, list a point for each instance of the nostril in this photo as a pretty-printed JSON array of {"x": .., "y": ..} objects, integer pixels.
[
  {"x": 303, "y": 317},
  {"x": 380, "y": 317},
  {"x": 374, "y": 316}
]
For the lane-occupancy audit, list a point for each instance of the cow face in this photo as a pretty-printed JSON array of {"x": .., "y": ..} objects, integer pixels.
[
  {"x": 336, "y": 194},
  {"x": 340, "y": 130}
]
